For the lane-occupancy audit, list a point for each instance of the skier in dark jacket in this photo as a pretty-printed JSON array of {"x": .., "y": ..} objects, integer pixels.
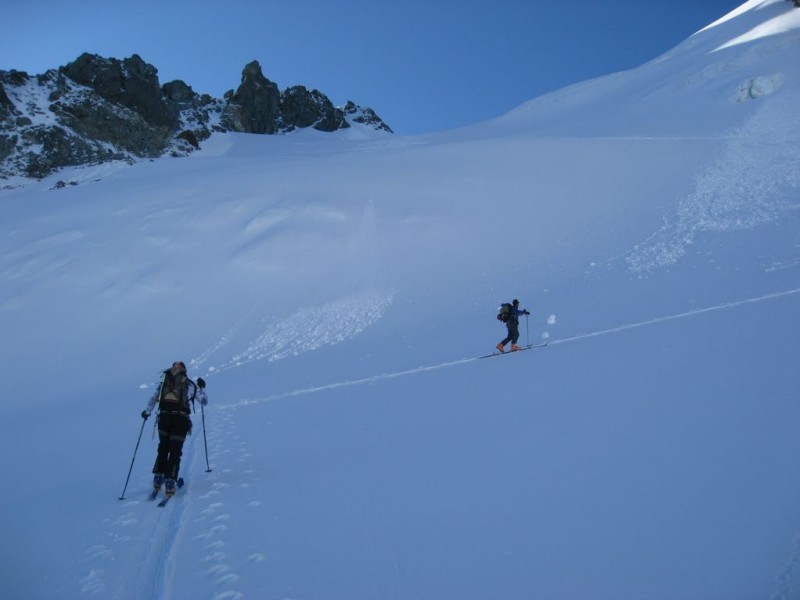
[
  {"x": 513, "y": 327},
  {"x": 173, "y": 396}
]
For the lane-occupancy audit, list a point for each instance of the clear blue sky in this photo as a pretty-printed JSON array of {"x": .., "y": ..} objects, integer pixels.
[{"x": 422, "y": 65}]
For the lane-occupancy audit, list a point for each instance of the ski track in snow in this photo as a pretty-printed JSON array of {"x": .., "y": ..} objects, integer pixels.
[
  {"x": 197, "y": 519},
  {"x": 575, "y": 338},
  {"x": 212, "y": 519},
  {"x": 155, "y": 537}
]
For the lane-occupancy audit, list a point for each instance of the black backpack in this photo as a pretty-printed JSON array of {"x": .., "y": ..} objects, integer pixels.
[
  {"x": 505, "y": 312},
  {"x": 174, "y": 392}
]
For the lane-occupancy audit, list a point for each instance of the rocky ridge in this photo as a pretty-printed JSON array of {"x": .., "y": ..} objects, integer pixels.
[{"x": 96, "y": 109}]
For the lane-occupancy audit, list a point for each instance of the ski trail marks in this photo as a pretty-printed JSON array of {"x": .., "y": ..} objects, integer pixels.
[
  {"x": 227, "y": 496},
  {"x": 157, "y": 545},
  {"x": 162, "y": 547},
  {"x": 691, "y": 313},
  {"x": 147, "y": 540},
  {"x": 333, "y": 386},
  {"x": 575, "y": 338}
]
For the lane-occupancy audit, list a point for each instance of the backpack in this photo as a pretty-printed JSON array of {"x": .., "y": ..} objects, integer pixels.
[
  {"x": 505, "y": 312},
  {"x": 174, "y": 392}
]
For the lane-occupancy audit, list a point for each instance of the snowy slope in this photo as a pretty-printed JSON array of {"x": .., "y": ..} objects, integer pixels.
[
  {"x": 702, "y": 87},
  {"x": 335, "y": 291}
]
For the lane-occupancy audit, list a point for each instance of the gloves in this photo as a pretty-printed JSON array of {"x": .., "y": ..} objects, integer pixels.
[
  {"x": 525, "y": 312},
  {"x": 145, "y": 414},
  {"x": 201, "y": 383}
]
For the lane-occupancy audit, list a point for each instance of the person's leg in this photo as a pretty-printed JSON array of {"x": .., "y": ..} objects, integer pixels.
[
  {"x": 162, "y": 454},
  {"x": 510, "y": 336},
  {"x": 180, "y": 429}
]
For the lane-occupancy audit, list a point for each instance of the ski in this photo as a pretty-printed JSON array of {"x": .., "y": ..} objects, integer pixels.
[
  {"x": 528, "y": 347},
  {"x": 178, "y": 485}
]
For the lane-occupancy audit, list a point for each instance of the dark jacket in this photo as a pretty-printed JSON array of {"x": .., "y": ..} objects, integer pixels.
[{"x": 514, "y": 314}]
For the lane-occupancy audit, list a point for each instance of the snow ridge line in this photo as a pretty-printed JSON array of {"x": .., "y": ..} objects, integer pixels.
[
  {"x": 575, "y": 338},
  {"x": 784, "y": 590}
]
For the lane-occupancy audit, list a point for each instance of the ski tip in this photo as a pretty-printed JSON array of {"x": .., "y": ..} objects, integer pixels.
[{"x": 539, "y": 345}]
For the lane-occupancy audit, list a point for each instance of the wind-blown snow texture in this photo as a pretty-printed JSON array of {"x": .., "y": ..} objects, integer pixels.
[{"x": 335, "y": 291}]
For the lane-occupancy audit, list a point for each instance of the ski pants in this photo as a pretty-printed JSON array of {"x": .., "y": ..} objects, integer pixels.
[
  {"x": 172, "y": 431},
  {"x": 513, "y": 333}
]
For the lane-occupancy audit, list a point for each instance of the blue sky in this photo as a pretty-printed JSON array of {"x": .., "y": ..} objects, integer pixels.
[{"x": 423, "y": 66}]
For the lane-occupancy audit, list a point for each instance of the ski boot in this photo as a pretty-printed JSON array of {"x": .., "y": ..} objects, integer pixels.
[
  {"x": 169, "y": 487},
  {"x": 158, "y": 480},
  {"x": 515, "y": 348},
  {"x": 500, "y": 347}
]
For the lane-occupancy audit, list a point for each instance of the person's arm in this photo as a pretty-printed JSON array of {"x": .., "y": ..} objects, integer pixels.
[
  {"x": 201, "y": 391},
  {"x": 151, "y": 404}
]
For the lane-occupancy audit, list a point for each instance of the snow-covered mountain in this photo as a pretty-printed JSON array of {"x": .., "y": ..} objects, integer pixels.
[{"x": 336, "y": 291}]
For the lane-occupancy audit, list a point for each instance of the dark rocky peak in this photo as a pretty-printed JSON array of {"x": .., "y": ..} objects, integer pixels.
[
  {"x": 130, "y": 82},
  {"x": 255, "y": 106},
  {"x": 303, "y": 108},
  {"x": 178, "y": 91},
  {"x": 253, "y": 76}
]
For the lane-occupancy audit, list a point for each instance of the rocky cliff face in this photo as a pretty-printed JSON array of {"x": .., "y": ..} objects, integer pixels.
[{"x": 98, "y": 109}]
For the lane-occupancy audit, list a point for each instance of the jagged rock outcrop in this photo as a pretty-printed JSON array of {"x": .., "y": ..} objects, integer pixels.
[
  {"x": 255, "y": 107},
  {"x": 97, "y": 109},
  {"x": 7, "y": 142},
  {"x": 302, "y": 108},
  {"x": 366, "y": 116},
  {"x": 5, "y": 103},
  {"x": 131, "y": 83}
]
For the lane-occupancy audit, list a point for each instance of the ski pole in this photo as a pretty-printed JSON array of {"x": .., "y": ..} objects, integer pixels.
[
  {"x": 527, "y": 331},
  {"x": 205, "y": 443},
  {"x": 122, "y": 496}
]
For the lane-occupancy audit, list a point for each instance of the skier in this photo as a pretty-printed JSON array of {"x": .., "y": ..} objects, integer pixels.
[
  {"x": 173, "y": 397},
  {"x": 513, "y": 327}
]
